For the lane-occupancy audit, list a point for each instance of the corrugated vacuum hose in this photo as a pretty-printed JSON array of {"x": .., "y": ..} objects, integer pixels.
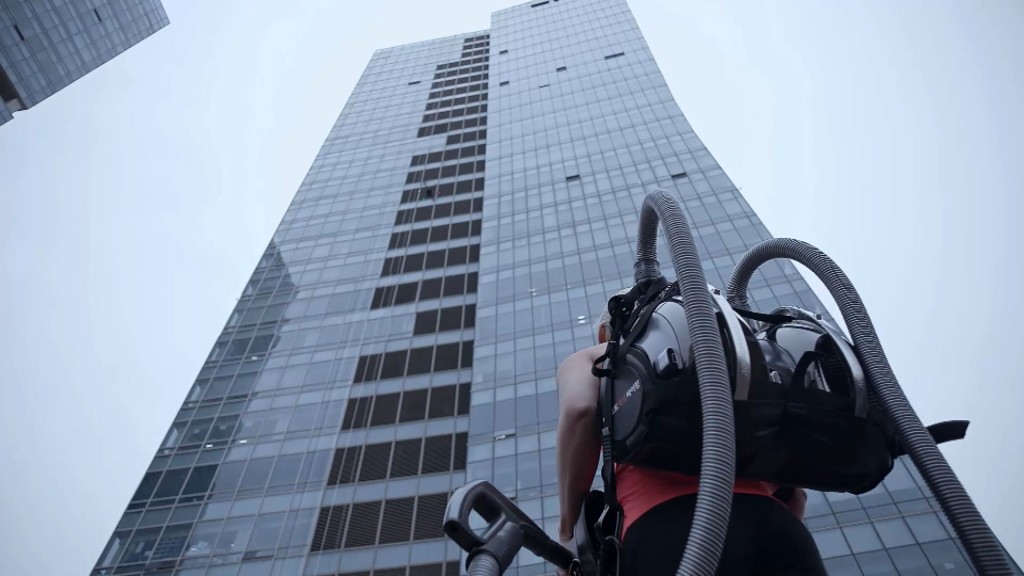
[{"x": 981, "y": 544}]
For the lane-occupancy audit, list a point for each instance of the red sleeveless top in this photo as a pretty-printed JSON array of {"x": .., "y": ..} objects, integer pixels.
[{"x": 640, "y": 489}]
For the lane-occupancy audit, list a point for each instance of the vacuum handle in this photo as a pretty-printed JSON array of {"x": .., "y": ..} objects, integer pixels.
[{"x": 497, "y": 511}]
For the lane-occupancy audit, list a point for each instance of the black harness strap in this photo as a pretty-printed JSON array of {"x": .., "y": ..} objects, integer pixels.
[{"x": 627, "y": 312}]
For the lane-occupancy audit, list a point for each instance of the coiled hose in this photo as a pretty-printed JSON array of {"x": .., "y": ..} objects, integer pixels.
[
  {"x": 718, "y": 455},
  {"x": 981, "y": 544}
]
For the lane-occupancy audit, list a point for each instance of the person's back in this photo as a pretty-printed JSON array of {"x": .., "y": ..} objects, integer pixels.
[{"x": 765, "y": 536}]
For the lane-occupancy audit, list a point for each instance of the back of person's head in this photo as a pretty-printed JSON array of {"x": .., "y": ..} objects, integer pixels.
[{"x": 603, "y": 327}]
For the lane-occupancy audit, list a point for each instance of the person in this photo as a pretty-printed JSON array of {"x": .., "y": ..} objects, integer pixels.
[{"x": 765, "y": 536}]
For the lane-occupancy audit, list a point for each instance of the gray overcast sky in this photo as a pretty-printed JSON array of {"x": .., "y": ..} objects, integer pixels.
[{"x": 136, "y": 202}]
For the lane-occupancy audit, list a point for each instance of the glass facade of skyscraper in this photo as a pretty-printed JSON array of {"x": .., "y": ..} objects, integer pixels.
[
  {"x": 47, "y": 44},
  {"x": 456, "y": 237}
]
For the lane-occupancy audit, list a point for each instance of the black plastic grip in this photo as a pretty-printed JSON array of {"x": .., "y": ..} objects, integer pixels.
[{"x": 497, "y": 511}]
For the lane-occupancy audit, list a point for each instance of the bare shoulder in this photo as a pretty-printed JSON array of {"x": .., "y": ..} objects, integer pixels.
[{"x": 585, "y": 355}]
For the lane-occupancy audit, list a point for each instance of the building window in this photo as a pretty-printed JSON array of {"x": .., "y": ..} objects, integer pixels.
[
  {"x": 616, "y": 55},
  {"x": 356, "y": 525},
  {"x": 560, "y": 69}
]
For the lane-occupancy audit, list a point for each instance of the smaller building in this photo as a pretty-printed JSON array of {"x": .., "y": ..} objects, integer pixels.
[{"x": 45, "y": 45}]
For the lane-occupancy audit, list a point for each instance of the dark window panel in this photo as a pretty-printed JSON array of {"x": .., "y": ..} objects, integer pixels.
[
  {"x": 420, "y": 360},
  {"x": 171, "y": 483},
  {"x": 446, "y": 357},
  {"x": 459, "y": 230},
  {"x": 200, "y": 480},
  {"x": 467, "y": 355},
  {"x": 426, "y": 322},
  {"x": 447, "y": 171},
  {"x": 406, "y": 459},
  {"x": 474, "y": 253},
  {"x": 455, "y": 285},
  {"x": 437, "y": 454},
  {"x": 373, "y": 366},
  {"x": 362, "y": 525},
  {"x": 397, "y": 526},
  {"x": 393, "y": 366},
  {"x": 414, "y": 405},
  {"x": 471, "y": 280},
  {"x": 446, "y": 189},
  {"x": 330, "y": 526},
  {"x": 442, "y": 402},
  {"x": 431, "y": 288},
  {"x": 459, "y": 456},
  {"x": 385, "y": 408},
  {"x": 413, "y": 262},
  {"x": 343, "y": 467},
  {"x": 356, "y": 413},
  {"x": 450, "y": 319},
  {"x": 457, "y": 255},
  {"x": 439, "y": 233},
  {"x": 442, "y": 210},
  {"x": 419, "y": 236},
  {"x": 146, "y": 487},
  {"x": 375, "y": 462},
  {"x": 429, "y": 516},
  {"x": 424, "y": 213},
  {"x": 435, "y": 259},
  {"x": 405, "y": 293},
  {"x": 462, "y": 401},
  {"x": 469, "y": 316}
]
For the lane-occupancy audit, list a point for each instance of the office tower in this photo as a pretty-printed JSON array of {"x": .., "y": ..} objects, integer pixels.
[
  {"x": 47, "y": 44},
  {"x": 456, "y": 237}
]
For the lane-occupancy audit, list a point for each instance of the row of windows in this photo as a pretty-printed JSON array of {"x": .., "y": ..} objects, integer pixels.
[
  {"x": 450, "y": 154},
  {"x": 183, "y": 485},
  {"x": 466, "y": 62},
  {"x": 441, "y": 190},
  {"x": 447, "y": 171},
  {"x": 457, "y": 90},
  {"x": 452, "y": 568},
  {"x": 466, "y": 137},
  {"x": 481, "y": 97},
  {"x": 422, "y": 360},
  {"x": 428, "y": 289},
  {"x": 467, "y": 53},
  {"x": 357, "y": 525},
  {"x": 455, "y": 113},
  {"x": 438, "y": 233},
  {"x": 433, "y": 259},
  {"x": 457, "y": 71},
  {"x": 435, "y": 211},
  {"x": 399, "y": 459},
  {"x": 407, "y": 406},
  {"x": 444, "y": 127},
  {"x": 459, "y": 80},
  {"x": 445, "y": 319}
]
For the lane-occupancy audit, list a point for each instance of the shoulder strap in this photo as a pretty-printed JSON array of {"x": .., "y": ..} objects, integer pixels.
[{"x": 627, "y": 312}]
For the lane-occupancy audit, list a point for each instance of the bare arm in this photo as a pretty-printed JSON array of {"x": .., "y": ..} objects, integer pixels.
[{"x": 578, "y": 443}]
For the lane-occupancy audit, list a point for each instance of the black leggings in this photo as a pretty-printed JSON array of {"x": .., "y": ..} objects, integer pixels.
[{"x": 764, "y": 539}]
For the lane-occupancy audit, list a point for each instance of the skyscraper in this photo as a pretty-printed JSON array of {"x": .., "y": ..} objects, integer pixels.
[
  {"x": 47, "y": 44},
  {"x": 456, "y": 237}
]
